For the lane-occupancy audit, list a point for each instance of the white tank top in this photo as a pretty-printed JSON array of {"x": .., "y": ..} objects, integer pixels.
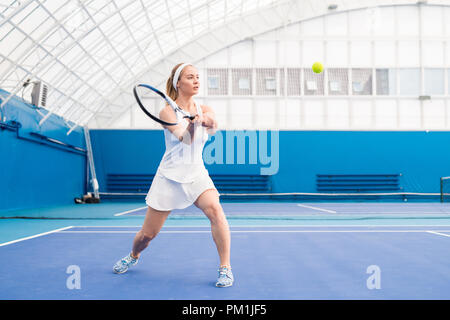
[{"x": 182, "y": 162}]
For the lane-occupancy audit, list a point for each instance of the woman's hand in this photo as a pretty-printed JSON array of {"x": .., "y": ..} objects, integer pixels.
[
  {"x": 198, "y": 119},
  {"x": 209, "y": 121}
]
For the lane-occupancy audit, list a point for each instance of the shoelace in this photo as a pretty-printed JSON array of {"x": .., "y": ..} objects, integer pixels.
[
  {"x": 224, "y": 273},
  {"x": 127, "y": 260}
]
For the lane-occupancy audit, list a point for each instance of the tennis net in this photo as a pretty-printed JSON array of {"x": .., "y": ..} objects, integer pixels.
[
  {"x": 445, "y": 189},
  {"x": 303, "y": 196}
]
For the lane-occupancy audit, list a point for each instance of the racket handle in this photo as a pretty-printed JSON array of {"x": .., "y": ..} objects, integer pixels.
[{"x": 190, "y": 117}]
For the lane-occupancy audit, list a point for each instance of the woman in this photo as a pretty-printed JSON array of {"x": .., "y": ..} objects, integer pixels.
[{"x": 182, "y": 181}]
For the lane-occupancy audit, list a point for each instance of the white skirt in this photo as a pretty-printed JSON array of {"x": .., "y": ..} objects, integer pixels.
[{"x": 166, "y": 194}]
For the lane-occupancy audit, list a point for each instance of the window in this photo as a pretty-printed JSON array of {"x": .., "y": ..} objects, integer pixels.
[
  {"x": 313, "y": 82},
  {"x": 358, "y": 87},
  {"x": 386, "y": 82},
  {"x": 409, "y": 81},
  {"x": 362, "y": 81},
  {"x": 338, "y": 81},
  {"x": 266, "y": 81},
  {"x": 217, "y": 81},
  {"x": 311, "y": 85},
  {"x": 213, "y": 82},
  {"x": 271, "y": 84},
  {"x": 335, "y": 86},
  {"x": 242, "y": 81},
  {"x": 434, "y": 82}
]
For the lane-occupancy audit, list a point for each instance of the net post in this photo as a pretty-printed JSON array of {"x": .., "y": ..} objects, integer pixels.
[{"x": 442, "y": 189}]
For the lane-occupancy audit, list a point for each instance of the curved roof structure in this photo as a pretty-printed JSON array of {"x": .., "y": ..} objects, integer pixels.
[{"x": 91, "y": 52}]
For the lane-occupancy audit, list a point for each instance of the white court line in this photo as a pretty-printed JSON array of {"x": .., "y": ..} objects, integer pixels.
[
  {"x": 391, "y": 212},
  {"x": 35, "y": 236},
  {"x": 315, "y": 208},
  {"x": 440, "y": 234},
  {"x": 271, "y": 231},
  {"x": 342, "y": 213},
  {"x": 129, "y": 211},
  {"x": 293, "y": 226}
]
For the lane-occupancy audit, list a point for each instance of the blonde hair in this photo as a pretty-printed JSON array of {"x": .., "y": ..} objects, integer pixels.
[{"x": 170, "y": 90}]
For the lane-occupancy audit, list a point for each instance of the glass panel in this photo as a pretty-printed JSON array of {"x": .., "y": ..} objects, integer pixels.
[
  {"x": 213, "y": 82},
  {"x": 314, "y": 115},
  {"x": 448, "y": 81},
  {"x": 266, "y": 82},
  {"x": 386, "y": 114},
  {"x": 361, "y": 53},
  {"x": 408, "y": 53},
  {"x": 265, "y": 53},
  {"x": 407, "y": 20},
  {"x": 434, "y": 81},
  {"x": 289, "y": 53},
  {"x": 433, "y": 53},
  {"x": 361, "y": 22},
  {"x": 267, "y": 113},
  {"x": 432, "y": 20},
  {"x": 337, "y": 81},
  {"x": 25, "y": 46},
  {"x": 217, "y": 81},
  {"x": 386, "y": 82},
  {"x": 337, "y": 113},
  {"x": 241, "y": 113},
  {"x": 220, "y": 109},
  {"x": 313, "y": 83},
  {"x": 409, "y": 81},
  {"x": 362, "y": 81},
  {"x": 447, "y": 20},
  {"x": 409, "y": 113},
  {"x": 337, "y": 52},
  {"x": 385, "y": 22},
  {"x": 336, "y": 24},
  {"x": 385, "y": 53},
  {"x": 434, "y": 113},
  {"x": 361, "y": 113},
  {"x": 242, "y": 81},
  {"x": 241, "y": 54},
  {"x": 313, "y": 27},
  {"x": 11, "y": 41},
  {"x": 290, "y": 113},
  {"x": 4, "y": 30},
  {"x": 312, "y": 52},
  {"x": 24, "y": 15}
]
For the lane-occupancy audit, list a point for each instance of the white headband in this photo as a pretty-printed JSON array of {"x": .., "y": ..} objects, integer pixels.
[{"x": 177, "y": 74}]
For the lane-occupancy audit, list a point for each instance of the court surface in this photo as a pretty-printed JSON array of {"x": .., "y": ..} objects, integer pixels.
[{"x": 289, "y": 251}]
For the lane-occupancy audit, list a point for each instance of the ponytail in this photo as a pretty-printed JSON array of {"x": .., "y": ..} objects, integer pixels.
[{"x": 170, "y": 90}]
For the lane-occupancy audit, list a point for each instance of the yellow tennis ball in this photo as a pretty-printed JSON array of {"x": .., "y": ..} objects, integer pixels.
[{"x": 317, "y": 67}]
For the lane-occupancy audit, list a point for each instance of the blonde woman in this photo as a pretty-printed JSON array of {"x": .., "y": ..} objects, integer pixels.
[{"x": 182, "y": 181}]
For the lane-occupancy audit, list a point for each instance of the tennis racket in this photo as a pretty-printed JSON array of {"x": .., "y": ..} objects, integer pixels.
[{"x": 163, "y": 111}]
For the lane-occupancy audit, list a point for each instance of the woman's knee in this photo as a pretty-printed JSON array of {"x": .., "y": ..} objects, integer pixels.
[
  {"x": 147, "y": 236},
  {"x": 214, "y": 212}
]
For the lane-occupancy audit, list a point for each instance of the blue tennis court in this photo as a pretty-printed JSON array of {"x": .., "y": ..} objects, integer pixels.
[
  {"x": 323, "y": 126},
  {"x": 293, "y": 251}
]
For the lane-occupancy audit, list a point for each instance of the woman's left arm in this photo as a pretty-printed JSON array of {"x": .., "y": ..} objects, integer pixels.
[{"x": 209, "y": 119}]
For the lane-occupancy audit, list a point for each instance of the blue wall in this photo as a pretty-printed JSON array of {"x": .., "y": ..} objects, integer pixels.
[
  {"x": 34, "y": 171},
  {"x": 421, "y": 157}
]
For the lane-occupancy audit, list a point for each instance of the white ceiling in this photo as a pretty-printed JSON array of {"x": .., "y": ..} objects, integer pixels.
[{"x": 91, "y": 52}]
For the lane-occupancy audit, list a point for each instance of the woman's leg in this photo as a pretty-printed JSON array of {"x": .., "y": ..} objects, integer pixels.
[
  {"x": 209, "y": 203},
  {"x": 154, "y": 220}
]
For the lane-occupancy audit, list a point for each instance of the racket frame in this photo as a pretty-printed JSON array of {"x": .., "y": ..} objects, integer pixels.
[{"x": 169, "y": 101}]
